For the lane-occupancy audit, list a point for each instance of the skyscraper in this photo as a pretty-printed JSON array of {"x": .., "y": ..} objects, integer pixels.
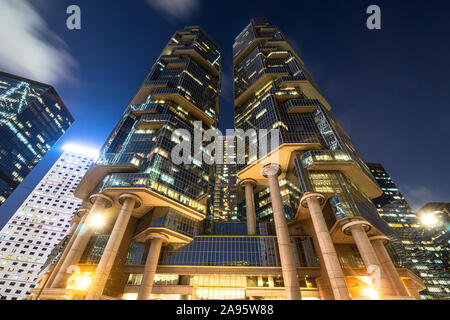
[
  {"x": 32, "y": 118},
  {"x": 136, "y": 170},
  {"x": 40, "y": 223},
  {"x": 313, "y": 233},
  {"x": 314, "y": 177},
  {"x": 435, "y": 221},
  {"x": 418, "y": 249},
  {"x": 225, "y": 186}
]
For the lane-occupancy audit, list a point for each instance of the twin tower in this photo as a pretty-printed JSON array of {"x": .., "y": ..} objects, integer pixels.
[{"x": 306, "y": 227}]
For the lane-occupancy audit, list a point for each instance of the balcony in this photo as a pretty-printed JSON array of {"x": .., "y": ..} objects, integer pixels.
[
  {"x": 146, "y": 89},
  {"x": 107, "y": 164},
  {"x": 152, "y": 193},
  {"x": 264, "y": 78},
  {"x": 145, "y": 108},
  {"x": 322, "y": 158},
  {"x": 177, "y": 227},
  {"x": 198, "y": 56},
  {"x": 329, "y": 160},
  {"x": 178, "y": 96},
  {"x": 299, "y": 106},
  {"x": 243, "y": 52},
  {"x": 152, "y": 121},
  {"x": 305, "y": 86}
]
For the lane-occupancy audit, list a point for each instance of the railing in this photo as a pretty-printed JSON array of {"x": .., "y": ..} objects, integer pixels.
[
  {"x": 200, "y": 53},
  {"x": 125, "y": 180},
  {"x": 226, "y": 251},
  {"x": 155, "y": 117},
  {"x": 151, "y": 106},
  {"x": 302, "y": 103},
  {"x": 298, "y": 77},
  {"x": 311, "y": 157},
  {"x": 121, "y": 159}
]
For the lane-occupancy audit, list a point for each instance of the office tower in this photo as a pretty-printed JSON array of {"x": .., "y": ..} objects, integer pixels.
[
  {"x": 146, "y": 232},
  {"x": 225, "y": 187},
  {"x": 417, "y": 245},
  {"x": 313, "y": 181},
  {"x": 32, "y": 118},
  {"x": 146, "y": 199},
  {"x": 40, "y": 223},
  {"x": 435, "y": 221}
]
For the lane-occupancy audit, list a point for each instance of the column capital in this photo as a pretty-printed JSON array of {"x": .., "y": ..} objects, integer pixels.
[
  {"x": 154, "y": 236},
  {"x": 81, "y": 212},
  {"x": 346, "y": 228},
  {"x": 309, "y": 195},
  {"x": 75, "y": 219},
  {"x": 106, "y": 199},
  {"x": 384, "y": 239},
  {"x": 125, "y": 196},
  {"x": 244, "y": 182},
  {"x": 272, "y": 169}
]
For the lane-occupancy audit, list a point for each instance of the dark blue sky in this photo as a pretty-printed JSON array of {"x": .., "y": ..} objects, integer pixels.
[{"x": 389, "y": 88}]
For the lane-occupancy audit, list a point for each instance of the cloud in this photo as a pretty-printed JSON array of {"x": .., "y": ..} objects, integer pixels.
[
  {"x": 178, "y": 9},
  {"x": 28, "y": 47},
  {"x": 418, "y": 196}
]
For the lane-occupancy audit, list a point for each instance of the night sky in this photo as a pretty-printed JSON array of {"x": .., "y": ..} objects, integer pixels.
[{"x": 389, "y": 88}]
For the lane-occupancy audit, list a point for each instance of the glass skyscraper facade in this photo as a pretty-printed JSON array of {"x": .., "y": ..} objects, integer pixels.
[
  {"x": 422, "y": 249},
  {"x": 304, "y": 228},
  {"x": 225, "y": 184},
  {"x": 32, "y": 118},
  {"x": 314, "y": 173}
]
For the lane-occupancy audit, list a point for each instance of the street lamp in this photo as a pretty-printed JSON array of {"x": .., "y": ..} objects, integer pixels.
[{"x": 97, "y": 221}]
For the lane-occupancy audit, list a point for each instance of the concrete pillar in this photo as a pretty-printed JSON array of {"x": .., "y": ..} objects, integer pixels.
[
  {"x": 151, "y": 264},
  {"x": 77, "y": 220},
  {"x": 358, "y": 230},
  {"x": 100, "y": 202},
  {"x": 271, "y": 172},
  {"x": 248, "y": 185},
  {"x": 378, "y": 244},
  {"x": 129, "y": 203},
  {"x": 329, "y": 255}
]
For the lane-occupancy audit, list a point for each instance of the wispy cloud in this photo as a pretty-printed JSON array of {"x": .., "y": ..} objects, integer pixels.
[
  {"x": 178, "y": 9},
  {"x": 28, "y": 47},
  {"x": 418, "y": 196}
]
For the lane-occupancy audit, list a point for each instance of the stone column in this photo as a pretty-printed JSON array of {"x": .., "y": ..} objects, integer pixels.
[
  {"x": 129, "y": 203},
  {"x": 271, "y": 172},
  {"x": 248, "y": 185},
  {"x": 151, "y": 264},
  {"x": 100, "y": 202},
  {"x": 332, "y": 265},
  {"x": 77, "y": 220},
  {"x": 358, "y": 229},
  {"x": 378, "y": 244}
]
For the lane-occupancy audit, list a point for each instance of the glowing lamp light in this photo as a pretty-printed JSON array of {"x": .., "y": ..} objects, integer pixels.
[
  {"x": 371, "y": 293},
  {"x": 130, "y": 296},
  {"x": 429, "y": 219},
  {"x": 81, "y": 150},
  {"x": 80, "y": 282},
  {"x": 96, "y": 221}
]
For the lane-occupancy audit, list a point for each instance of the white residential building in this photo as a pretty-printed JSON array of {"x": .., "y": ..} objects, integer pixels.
[{"x": 40, "y": 223}]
